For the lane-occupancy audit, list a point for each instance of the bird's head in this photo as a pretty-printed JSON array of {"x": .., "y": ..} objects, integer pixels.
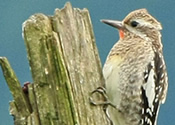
[{"x": 137, "y": 23}]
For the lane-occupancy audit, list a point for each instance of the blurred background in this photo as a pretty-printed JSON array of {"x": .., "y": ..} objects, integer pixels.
[{"x": 14, "y": 13}]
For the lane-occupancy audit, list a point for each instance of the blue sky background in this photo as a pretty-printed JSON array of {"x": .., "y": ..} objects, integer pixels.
[{"x": 14, "y": 12}]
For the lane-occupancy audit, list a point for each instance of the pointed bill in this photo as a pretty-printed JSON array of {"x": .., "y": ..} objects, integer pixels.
[{"x": 113, "y": 23}]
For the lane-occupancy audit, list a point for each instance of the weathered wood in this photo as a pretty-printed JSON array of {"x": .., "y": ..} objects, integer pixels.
[
  {"x": 65, "y": 68},
  {"x": 19, "y": 106}
]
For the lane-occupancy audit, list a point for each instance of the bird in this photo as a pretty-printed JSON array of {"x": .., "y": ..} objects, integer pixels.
[{"x": 135, "y": 74}]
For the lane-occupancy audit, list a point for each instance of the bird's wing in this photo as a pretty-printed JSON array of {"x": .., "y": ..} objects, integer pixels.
[{"x": 154, "y": 89}]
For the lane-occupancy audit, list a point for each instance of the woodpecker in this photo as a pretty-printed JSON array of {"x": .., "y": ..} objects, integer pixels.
[{"x": 135, "y": 71}]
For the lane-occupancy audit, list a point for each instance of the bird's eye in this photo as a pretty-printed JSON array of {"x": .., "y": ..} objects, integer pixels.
[{"x": 134, "y": 23}]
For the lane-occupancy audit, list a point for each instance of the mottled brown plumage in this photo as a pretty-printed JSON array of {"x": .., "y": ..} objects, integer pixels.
[{"x": 135, "y": 72}]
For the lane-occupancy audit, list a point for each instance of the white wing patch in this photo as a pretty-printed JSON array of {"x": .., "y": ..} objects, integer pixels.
[
  {"x": 153, "y": 90},
  {"x": 149, "y": 87}
]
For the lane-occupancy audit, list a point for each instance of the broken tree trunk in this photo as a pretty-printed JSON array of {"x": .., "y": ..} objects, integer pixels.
[{"x": 65, "y": 68}]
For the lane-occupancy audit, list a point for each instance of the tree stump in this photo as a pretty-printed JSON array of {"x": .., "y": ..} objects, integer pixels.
[{"x": 65, "y": 67}]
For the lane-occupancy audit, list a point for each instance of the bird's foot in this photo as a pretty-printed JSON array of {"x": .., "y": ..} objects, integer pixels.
[
  {"x": 102, "y": 92},
  {"x": 105, "y": 103}
]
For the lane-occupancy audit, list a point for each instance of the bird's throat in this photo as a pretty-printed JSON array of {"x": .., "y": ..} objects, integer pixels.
[{"x": 121, "y": 34}]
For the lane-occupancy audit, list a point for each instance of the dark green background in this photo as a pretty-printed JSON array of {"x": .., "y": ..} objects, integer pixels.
[{"x": 14, "y": 12}]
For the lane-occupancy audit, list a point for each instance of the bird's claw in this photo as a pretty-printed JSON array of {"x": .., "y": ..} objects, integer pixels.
[
  {"x": 101, "y": 91},
  {"x": 105, "y": 103}
]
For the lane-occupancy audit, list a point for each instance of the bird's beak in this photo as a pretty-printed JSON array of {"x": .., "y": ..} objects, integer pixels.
[{"x": 114, "y": 23}]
